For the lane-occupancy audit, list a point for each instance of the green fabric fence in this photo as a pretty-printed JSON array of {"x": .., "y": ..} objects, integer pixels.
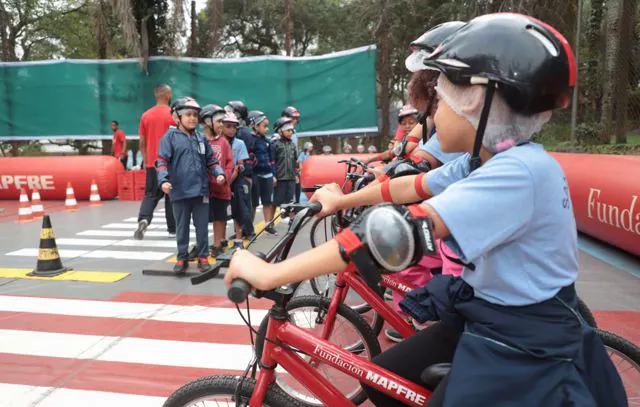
[{"x": 335, "y": 93}]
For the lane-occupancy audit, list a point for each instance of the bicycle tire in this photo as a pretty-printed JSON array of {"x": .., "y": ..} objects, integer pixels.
[
  {"x": 225, "y": 385},
  {"x": 351, "y": 316},
  {"x": 586, "y": 314},
  {"x": 621, "y": 345},
  {"x": 316, "y": 223}
]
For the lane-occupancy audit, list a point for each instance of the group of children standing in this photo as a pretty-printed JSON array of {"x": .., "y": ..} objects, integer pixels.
[{"x": 226, "y": 171}]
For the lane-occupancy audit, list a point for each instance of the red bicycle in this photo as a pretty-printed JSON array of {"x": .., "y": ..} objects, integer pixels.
[{"x": 298, "y": 352}]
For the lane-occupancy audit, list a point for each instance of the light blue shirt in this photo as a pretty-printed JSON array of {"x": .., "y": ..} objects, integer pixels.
[
  {"x": 432, "y": 147},
  {"x": 239, "y": 150},
  {"x": 512, "y": 218}
]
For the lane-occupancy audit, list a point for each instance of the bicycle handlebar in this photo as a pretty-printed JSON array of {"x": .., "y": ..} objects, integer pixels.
[{"x": 240, "y": 288}]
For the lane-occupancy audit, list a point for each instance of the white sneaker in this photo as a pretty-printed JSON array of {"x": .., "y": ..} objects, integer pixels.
[{"x": 171, "y": 235}]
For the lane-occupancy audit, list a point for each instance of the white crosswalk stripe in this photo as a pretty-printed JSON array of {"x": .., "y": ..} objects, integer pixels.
[{"x": 134, "y": 350}]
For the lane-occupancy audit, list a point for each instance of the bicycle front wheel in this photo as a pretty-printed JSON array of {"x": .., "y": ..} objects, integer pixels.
[
  {"x": 221, "y": 391},
  {"x": 626, "y": 358},
  {"x": 350, "y": 332}
]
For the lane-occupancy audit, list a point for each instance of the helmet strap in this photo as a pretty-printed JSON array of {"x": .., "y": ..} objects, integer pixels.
[
  {"x": 422, "y": 120},
  {"x": 475, "y": 162}
]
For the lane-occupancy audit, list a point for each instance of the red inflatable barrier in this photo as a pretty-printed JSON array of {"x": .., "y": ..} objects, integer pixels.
[
  {"x": 605, "y": 192},
  {"x": 325, "y": 169},
  {"x": 51, "y": 175}
]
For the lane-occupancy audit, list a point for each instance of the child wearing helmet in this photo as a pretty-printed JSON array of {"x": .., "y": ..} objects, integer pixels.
[
  {"x": 511, "y": 319},
  {"x": 211, "y": 119},
  {"x": 244, "y": 134},
  {"x": 264, "y": 171},
  {"x": 286, "y": 157},
  {"x": 185, "y": 161},
  {"x": 407, "y": 120},
  {"x": 241, "y": 192}
]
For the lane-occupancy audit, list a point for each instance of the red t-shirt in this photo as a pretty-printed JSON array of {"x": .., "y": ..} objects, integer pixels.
[
  {"x": 222, "y": 152},
  {"x": 119, "y": 143},
  {"x": 154, "y": 123},
  {"x": 399, "y": 134}
]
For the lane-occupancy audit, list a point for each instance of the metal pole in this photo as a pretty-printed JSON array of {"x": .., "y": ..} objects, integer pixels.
[{"x": 574, "y": 103}]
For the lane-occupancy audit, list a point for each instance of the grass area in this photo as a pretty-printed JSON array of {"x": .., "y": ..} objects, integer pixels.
[{"x": 633, "y": 139}]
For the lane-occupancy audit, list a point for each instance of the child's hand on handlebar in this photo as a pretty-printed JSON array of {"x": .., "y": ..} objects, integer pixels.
[
  {"x": 250, "y": 268},
  {"x": 377, "y": 171},
  {"x": 328, "y": 196}
]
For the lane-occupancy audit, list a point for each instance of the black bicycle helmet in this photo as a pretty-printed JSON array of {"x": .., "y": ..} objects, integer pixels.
[
  {"x": 428, "y": 42},
  {"x": 291, "y": 112},
  {"x": 209, "y": 111},
  {"x": 528, "y": 61},
  {"x": 280, "y": 123},
  {"x": 255, "y": 117},
  {"x": 239, "y": 108}
]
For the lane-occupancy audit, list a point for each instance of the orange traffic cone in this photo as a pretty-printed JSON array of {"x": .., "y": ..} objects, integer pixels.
[
  {"x": 36, "y": 204},
  {"x": 94, "y": 198},
  {"x": 24, "y": 212},
  {"x": 70, "y": 204}
]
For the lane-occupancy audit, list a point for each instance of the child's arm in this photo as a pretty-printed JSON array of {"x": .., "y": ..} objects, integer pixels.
[
  {"x": 272, "y": 159},
  {"x": 324, "y": 259},
  {"x": 213, "y": 165},
  {"x": 165, "y": 154},
  {"x": 229, "y": 168}
]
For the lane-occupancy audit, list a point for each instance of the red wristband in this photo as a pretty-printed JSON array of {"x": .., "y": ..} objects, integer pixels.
[
  {"x": 414, "y": 140},
  {"x": 386, "y": 191},
  {"x": 417, "y": 184}
]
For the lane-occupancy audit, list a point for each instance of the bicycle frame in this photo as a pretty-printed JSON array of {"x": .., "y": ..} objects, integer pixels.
[
  {"x": 350, "y": 279},
  {"x": 279, "y": 329}
]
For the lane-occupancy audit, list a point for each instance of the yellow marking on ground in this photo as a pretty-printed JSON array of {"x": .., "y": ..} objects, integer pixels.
[
  {"x": 73, "y": 275},
  {"x": 258, "y": 227}
]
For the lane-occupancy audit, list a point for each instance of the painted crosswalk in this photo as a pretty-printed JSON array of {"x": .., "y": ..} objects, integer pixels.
[
  {"x": 135, "y": 349},
  {"x": 114, "y": 240}
]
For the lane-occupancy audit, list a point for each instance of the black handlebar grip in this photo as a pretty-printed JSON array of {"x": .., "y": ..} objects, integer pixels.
[
  {"x": 315, "y": 207},
  {"x": 239, "y": 291}
]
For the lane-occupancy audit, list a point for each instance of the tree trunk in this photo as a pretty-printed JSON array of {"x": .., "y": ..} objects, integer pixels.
[
  {"x": 216, "y": 25},
  {"x": 624, "y": 62},
  {"x": 193, "y": 41},
  {"x": 288, "y": 21},
  {"x": 382, "y": 34},
  {"x": 615, "y": 9}
]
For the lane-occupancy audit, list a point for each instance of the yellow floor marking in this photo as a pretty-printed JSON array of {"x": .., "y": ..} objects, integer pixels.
[
  {"x": 257, "y": 228},
  {"x": 73, "y": 275}
]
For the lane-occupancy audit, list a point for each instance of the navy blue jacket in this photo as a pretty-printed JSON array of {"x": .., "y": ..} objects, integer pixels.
[
  {"x": 244, "y": 134},
  {"x": 185, "y": 161},
  {"x": 265, "y": 156},
  {"x": 530, "y": 356}
]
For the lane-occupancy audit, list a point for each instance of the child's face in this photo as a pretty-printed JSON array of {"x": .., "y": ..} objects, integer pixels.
[
  {"x": 218, "y": 125},
  {"x": 189, "y": 119},
  {"x": 287, "y": 133},
  {"x": 455, "y": 133},
  {"x": 229, "y": 129},
  {"x": 263, "y": 128},
  {"x": 408, "y": 123}
]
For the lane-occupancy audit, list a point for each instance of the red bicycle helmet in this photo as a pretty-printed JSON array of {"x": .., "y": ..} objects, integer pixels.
[{"x": 529, "y": 61}]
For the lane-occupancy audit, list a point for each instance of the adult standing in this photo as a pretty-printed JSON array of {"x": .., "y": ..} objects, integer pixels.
[
  {"x": 119, "y": 143},
  {"x": 154, "y": 123}
]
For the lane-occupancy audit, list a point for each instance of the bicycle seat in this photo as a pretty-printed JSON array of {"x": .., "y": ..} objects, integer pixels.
[{"x": 433, "y": 375}]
